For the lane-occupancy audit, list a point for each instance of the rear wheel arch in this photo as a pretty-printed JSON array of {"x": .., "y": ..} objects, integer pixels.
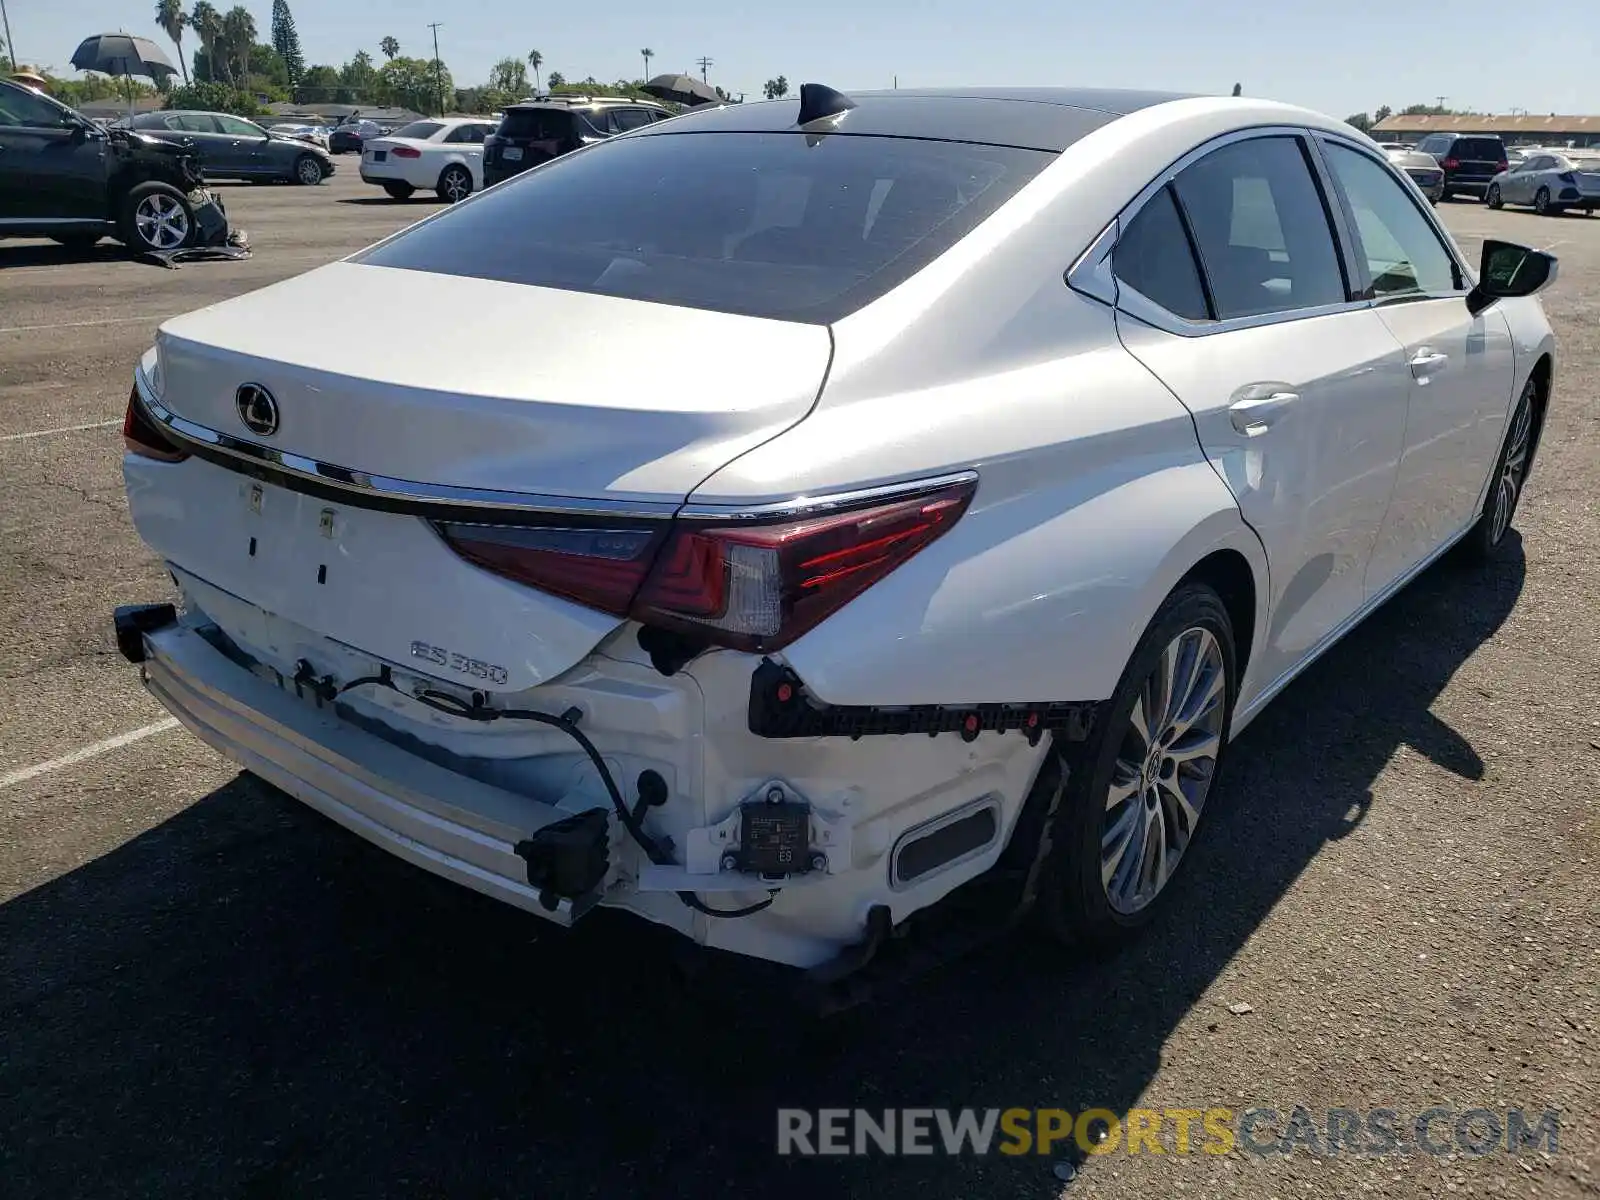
[{"x": 1543, "y": 376}]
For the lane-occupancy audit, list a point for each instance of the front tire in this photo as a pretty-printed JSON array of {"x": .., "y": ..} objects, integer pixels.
[
  {"x": 157, "y": 216},
  {"x": 1492, "y": 197},
  {"x": 1506, "y": 485},
  {"x": 399, "y": 191},
  {"x": 308, "y": 170},
  {"x": 1134, "y": 799},
  {"x": 455, "y": 184}
]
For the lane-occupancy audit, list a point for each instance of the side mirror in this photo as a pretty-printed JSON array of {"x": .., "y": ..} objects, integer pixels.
[{"x": 1507, "y": 271}]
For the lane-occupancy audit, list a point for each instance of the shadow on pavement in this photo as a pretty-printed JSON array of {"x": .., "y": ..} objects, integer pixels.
[
  {"x": 247, "y": 1001},
  {"x": 49, "y": 254}
]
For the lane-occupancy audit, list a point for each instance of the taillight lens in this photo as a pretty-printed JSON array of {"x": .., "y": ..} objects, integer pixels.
[
  {"x": 601, "y": 568},
  {"x": 751, "y": 585},
  {"x": 1502, "y": 165},
  {"x": 143, "y": 437},
  {"x": 1449, "y": 164},
  {"x": 406, "y": 152},
  {"x": 1567, "y": 177}
]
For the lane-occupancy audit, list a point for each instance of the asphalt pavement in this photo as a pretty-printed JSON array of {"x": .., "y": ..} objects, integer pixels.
[{"x": 207, "y": 990}]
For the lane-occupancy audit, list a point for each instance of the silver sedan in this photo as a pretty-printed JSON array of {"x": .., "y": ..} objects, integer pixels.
[
  {"x": 1423, "y": 169},
  {"x": 1550, "y": 181}
]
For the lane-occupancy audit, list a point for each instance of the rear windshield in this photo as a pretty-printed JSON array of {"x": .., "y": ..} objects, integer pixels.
[
  {"x": 536, "y": 124},
  {"x": 421, "y": 130},
  {"x": 1477, "y": 147},
  {"x": 779, "y": 225}
]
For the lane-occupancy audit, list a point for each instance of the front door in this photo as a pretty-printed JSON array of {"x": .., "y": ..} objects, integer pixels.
[
  {"x": 52, "y": 166},
  {"x": 246, "y": 145},
  {"x": 1461, "y": 365},
  {"x": 1298, "y": 392}
]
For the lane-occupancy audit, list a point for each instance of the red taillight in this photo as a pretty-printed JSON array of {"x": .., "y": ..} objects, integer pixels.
[
  {"x": 749, "y": 585},
  {"x": 1449, "y": 164},
  {"x": 1502, "y": 165},
  {"x": 759, "y": 587},
  {"x": 141, "y": 436},
  {"x": 406, "y": 152}
]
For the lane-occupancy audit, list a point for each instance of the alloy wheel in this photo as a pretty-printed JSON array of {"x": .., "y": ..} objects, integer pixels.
[
  {"x": 309, "y": 171},
  {"x": 457, "y": 185},
  {"x": 1513, "y": 470},
  {"x": 1494, "y": 195},
  {"x": 1541, "y": 201},
  {"x": 1163, "y": 771},
  {"x": 162, "y": 222}
]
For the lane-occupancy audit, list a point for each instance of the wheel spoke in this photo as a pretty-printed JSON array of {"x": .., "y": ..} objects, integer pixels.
[
  {"x": 1124, "y": 784},
  {"x": 1114, "y": 845}
]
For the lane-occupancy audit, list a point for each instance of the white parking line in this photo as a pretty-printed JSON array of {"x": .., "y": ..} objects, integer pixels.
[
  {"x": 22, "y": 437},
  {"x": 90, "y": 751},
  {"x": 84, "y": 324}
]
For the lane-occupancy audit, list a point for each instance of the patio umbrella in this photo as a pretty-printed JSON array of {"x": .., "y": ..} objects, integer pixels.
[
  {"x": 123, "y": 54},
  {"x": 682, "y": 89}
]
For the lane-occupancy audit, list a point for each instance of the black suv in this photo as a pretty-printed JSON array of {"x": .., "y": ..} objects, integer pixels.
[
  {"x": 536, "y": 131},
  {"x": 65, "y": 178},
  {"x": 1469, "y": 161}
]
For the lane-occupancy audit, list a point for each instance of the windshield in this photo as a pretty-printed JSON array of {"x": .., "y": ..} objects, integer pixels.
[
  {"x": 420, "y": 130},
  {"x": 768, "y": 224}
]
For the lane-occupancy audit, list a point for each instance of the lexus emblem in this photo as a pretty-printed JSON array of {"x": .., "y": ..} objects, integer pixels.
[{"x": 257, "y": 409}]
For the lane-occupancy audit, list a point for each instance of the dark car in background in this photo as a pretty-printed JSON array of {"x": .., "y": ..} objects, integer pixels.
[
  {"x": 350, "y": 136},
  {"x": 230, "y": 147},
  {"x": 63, "y": 177},
  {"x": 536, "y": 131},
  {"x": 1469, "y": 161}
]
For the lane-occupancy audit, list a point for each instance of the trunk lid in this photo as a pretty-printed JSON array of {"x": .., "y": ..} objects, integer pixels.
[
  {"x": 490, "y": 385},
  {"x": 498, "y": 387}
]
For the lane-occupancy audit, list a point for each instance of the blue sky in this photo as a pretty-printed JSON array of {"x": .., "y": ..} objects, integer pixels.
[{"x": 1340, "y": 58}]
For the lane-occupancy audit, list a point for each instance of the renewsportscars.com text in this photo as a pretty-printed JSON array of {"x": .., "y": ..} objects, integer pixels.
[{"x": 1261, "y": 1131}]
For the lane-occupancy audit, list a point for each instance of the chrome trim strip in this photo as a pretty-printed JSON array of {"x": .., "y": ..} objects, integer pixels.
[
  {"x": 376, "y": 490},
  {"x": 362, "y": 484},
  {"x": 831, "y": 502}
]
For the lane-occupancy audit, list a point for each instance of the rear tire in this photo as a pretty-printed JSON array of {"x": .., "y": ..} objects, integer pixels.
[
  {"x": 399, "y": 191},
  {"x": 308, "y": 170},
  {"x": 157, "y": 216},
  {"x": 1135, "y": 798},
  {"x": 1492, "y": 197},
  {"x": 1541, "y": 202},
  {"x": 455, "y": 184},
  {"x": 1508, "y": 482}
]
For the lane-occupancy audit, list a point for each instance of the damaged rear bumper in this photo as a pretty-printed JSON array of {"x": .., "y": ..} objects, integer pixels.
[{"x": 538, "y": 857}]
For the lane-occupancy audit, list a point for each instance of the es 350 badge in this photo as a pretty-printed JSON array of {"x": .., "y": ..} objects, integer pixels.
[{"x": 460, "y": 663}]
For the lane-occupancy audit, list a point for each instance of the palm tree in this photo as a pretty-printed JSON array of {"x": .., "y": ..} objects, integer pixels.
[
  {"x": 647, "y": 54},
  {"x": 170, "y": 16},
  {"x": 206, "y": 22},
  {"x": 390, "y": 47},
  {"x": 239, "y": 34},
  {"x": 536, "y": 60}
]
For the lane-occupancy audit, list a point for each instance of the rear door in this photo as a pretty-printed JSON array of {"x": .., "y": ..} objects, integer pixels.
[
  {"x": 1298, "y": 390},
  {"x": 1460, "y": 365}
]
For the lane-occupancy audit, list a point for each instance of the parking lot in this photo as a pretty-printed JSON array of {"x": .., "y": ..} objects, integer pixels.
[{"x": 207, "y": 990}]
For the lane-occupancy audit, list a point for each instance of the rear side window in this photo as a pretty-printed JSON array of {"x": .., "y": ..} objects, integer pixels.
[
  {"x": 535, "y": 124},
  {"x": 631, "y": 118},
  {"x": 1262, "y": 229},
  {"x": 1434, "y": 144},
  {"x": 1153, "y": 257},
  {"x": 420, "y": 130},
  {"x": 780, "y": 225}
]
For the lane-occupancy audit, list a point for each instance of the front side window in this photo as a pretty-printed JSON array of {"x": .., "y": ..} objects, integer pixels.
[
  {"x": 1404, "y": 255},
  {"x": 1153, "y": 257},
  {"x": 1261, "y": 228},
  {"x": 777, "y": 225},
  {"x": 21, "y": 109},
  {"x": 465, "y": 133},
  {"x": 234, "y": 127},
  {"x": 631, "y": 118}
]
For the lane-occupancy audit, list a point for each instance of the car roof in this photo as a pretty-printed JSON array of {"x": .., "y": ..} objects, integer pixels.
[
  {"x": 1038, "y": 118},
  {"x": 585, "y": 102}
]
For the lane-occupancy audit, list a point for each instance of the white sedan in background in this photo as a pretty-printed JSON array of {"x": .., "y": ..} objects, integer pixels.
[
  {"x": 1551, "y": 181},
  {"x": 441, "y": 154}
]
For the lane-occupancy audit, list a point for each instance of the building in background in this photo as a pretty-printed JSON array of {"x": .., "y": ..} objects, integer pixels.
[{"x": 1527, "y": 130}]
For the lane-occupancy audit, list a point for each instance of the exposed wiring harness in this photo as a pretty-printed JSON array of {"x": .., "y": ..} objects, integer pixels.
[{"x": 632, "y": 819}]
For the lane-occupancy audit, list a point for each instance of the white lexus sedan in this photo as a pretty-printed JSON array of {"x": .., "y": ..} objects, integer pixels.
[
  {"x": 853, "y": 508},
  {"x": 443, "y": 155}
]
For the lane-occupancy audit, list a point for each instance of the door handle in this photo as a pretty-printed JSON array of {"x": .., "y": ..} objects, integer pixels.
[
  {"x": 1254, "y": 415},
  {"x": 1425, "y": 363}
]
